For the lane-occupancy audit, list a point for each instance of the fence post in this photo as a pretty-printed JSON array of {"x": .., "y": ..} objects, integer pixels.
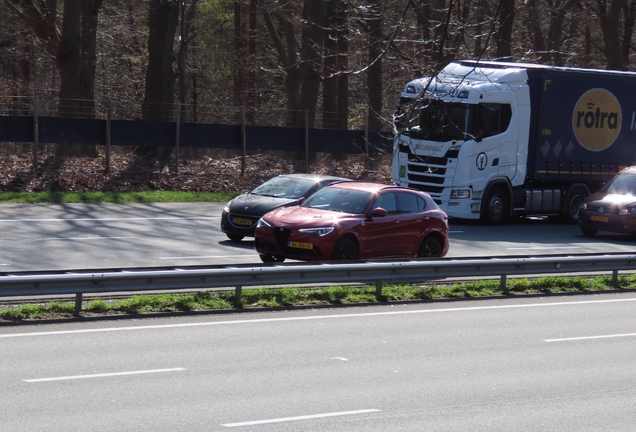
[
  {"x": 176, "y": 138},
  {"x": 243, "y": 142},
  {"x": 109, "y": 113},
  {"x": 36, "y": 134},
  {"x": 307, "y": 140}
]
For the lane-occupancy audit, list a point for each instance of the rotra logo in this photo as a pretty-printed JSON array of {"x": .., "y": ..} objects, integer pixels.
[{"x": 597, "y": 119}]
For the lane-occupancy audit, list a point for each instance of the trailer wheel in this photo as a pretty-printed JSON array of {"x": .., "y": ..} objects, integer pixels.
[
  {"x": 573, "y": 203},
  {"x": 496, "y": 206}
]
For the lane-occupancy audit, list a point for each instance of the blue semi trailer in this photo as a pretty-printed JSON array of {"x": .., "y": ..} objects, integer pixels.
[{"x": 491, "y": 140}]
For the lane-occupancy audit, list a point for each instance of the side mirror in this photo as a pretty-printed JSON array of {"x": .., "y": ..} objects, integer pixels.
[
  {"x": 301, "y": 200},
  {"x": 378, "y": 212}
]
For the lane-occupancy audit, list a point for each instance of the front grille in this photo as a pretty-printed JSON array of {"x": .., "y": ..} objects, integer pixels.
[
  {"x": 281, "y": 236},
  {"x": 606, "y": 210}
]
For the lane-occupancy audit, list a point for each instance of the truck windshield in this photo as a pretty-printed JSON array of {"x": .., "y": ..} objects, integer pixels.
[{"x": 443, "y": 121}]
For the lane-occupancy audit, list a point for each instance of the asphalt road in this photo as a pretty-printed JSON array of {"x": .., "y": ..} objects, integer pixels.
[
  {"x": 534, "y": 364},
  {"x": 92, "y": 236}
]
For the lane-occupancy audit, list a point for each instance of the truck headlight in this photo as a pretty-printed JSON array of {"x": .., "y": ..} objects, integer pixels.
[{"x": 460, "y": 193}]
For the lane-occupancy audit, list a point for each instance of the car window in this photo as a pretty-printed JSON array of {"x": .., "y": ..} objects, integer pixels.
[
  {"x": 387, "y": 201},
  {"x": 407, "y": 203},
  {"x": 421, "y": 203}
]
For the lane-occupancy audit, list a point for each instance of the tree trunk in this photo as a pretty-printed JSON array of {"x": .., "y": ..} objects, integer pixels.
[
  {"x": 504, "y": 31},
  {"x": 374, "y": 75},
  {"x": 158, "y": 101},
  {"x": 314, "y": 15}
]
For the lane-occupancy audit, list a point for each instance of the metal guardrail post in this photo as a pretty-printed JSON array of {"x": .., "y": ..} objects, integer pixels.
[
  {"x": 238, "y": 293},
  {"x": 78, "y": 303},
  {"x": 378, "y": 289}
]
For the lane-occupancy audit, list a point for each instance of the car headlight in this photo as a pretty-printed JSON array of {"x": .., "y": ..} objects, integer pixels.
[
  {"x": 584, "y": 206},
  {"x": 627, "y": 211},
  {"x": 322, "y": 231},
  {"x": 262, "y": 224},
  {"x": 226, "y": 209},
  {"x": 460, "y": 193}
]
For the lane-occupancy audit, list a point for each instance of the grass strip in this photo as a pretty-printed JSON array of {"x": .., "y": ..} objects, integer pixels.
[
  {"x": 334, "y": 295},
  {"x": 112, "y": 197}
]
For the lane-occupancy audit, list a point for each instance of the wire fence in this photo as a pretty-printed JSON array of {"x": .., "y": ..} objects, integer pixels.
[{"x": 50, "y": 106}]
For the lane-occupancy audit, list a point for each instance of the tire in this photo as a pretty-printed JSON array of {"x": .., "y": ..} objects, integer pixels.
[
  {"x": 496, "y": 207},
  {"x": 271, "y": 259},
  {"x": 573, "y": 203},
  {"x": 431, "y": 248},
  {"x": 345, "y": 250},
  {"x": 235, "y": 237},
  {"x": 590, "y": 232}
]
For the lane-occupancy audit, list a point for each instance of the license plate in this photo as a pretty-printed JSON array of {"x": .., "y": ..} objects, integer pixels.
[
  {"x": 242, "y": 221},
  {"x": 300, "y": 245},
  {"x": 600, "y": 218}
]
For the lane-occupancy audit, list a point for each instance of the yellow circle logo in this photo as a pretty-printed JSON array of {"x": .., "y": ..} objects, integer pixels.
[{"x": 597, "y": 119}]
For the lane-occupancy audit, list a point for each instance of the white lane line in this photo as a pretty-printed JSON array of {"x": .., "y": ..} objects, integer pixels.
[
  {"x": 83, "y": 238},
  {"x": 206, "y": 257},
  {"x": 112, "y": 219},
  {"x": 313, "y": 317},
  {"x": 306, "y": 417},
  {"x": 544, "y": 247},
  {"x": 590, "y": 337},
  {"x": 102, "y": 375}
]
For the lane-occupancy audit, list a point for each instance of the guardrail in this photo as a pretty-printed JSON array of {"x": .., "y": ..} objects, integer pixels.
[{"x": 369, "y": 272}]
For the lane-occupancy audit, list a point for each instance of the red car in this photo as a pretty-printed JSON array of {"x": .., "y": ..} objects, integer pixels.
[{"x": 355, "y": 220}]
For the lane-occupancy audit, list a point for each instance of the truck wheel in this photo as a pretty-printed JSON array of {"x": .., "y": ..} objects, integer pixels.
[
  {"x": 496, "y": 206},
  {"x": 573, "y": 203}
]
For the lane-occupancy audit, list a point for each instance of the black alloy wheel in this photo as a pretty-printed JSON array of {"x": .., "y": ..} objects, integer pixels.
[{"x": 344, "y": 250}]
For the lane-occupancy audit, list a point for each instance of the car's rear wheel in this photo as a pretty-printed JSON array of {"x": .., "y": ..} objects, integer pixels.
[
  {"x": 235, "y": 237},
  {"x": 590, "y": 232},
  {"x": 431, "y": 247},
  {"x": 345, "y": 249},
  {"x": 271, "y": 258}
]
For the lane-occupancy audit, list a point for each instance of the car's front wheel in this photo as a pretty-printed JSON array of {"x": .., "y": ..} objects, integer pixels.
[
  {"x": 431, "y": 248},
  {"x": 271, "y": 258},
  {"x": 345, "y": 249}
]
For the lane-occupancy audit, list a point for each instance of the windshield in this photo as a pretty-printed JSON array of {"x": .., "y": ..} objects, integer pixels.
[
  {"x": 621, "y": 184},
  {"x": 443, "y": 121},
  {"x": 284, "y": 187},
  {"x": 339, "y": 200}
]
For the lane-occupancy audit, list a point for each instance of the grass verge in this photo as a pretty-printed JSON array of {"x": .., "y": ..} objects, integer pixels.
[
  {"x": 335, "y": 295},
  {"x": 112, "y": 197}
]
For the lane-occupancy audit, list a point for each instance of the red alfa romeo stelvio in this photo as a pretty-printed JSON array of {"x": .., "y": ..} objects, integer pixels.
[{"x": 354, "y": 220}]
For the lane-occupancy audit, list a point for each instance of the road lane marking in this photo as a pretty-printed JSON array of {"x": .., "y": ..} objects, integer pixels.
[
  {"x": 102, "y": 375},
  {"x": 307, "y": 318},
  {"x": 83, "y": 238},
  {"x": 113, "y": 219},
  {"x": 206, "y": 257},
  {"x": 591, "y": 337},
  {"x": 306, "y": 417},
  {"x": 544, "y": 247}
]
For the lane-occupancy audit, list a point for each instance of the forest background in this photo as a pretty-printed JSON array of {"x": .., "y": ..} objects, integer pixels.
[{"x": 338, "y": 64}]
